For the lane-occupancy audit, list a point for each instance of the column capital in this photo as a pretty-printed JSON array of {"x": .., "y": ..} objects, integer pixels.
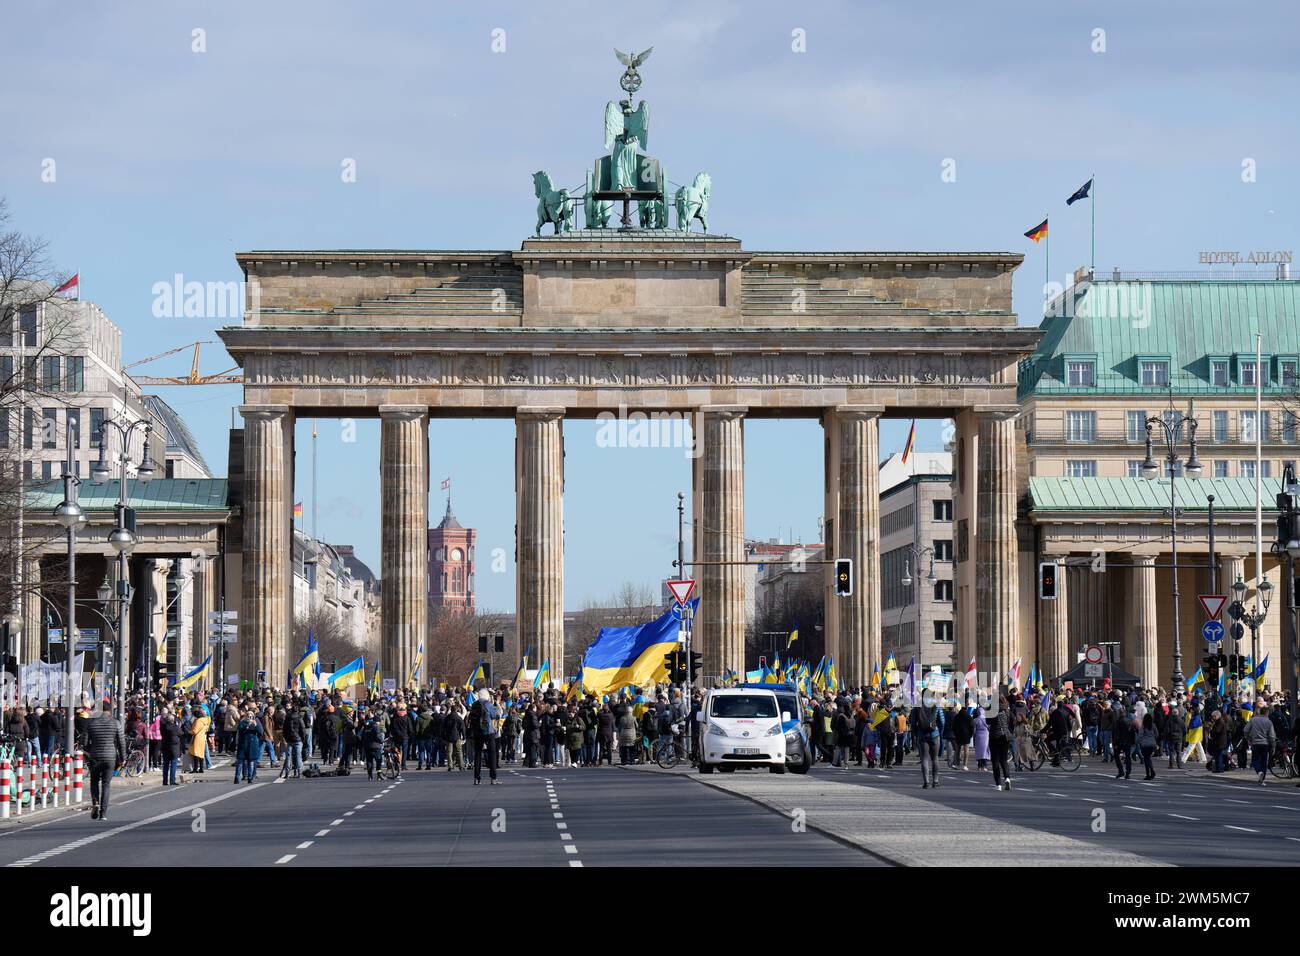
[
  {"x": 724, "y": 411},
  {"x": 998, "y": 413},
  {"x": 1145, "y": 560},
  {"x": 858, "y": 411},
  {"x": 264, "y": 412},
  {"x": 546, "y": 413},
  {"x": 403, "y": 412}
]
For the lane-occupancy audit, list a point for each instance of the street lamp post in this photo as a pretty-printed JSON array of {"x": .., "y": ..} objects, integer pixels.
[
  {"x": 1254, "y": 618},
  {"x": 71, "y": 517},
  {"x": 121, "y": 538},
  {"x": 906, "y": 581},
  {"x": 1172, "y": 429},
  {"x": 1288, "y": 544}
]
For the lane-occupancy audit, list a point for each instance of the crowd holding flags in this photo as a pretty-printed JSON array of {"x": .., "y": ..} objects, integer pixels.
[
  {"x": 195, "y": 675},
  {"x": 543, "y": 676}
]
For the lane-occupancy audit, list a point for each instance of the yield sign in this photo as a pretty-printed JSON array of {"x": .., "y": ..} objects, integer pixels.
[
  {"x": 1213, "y": 604},
  {"x": 682, "y": 590}
]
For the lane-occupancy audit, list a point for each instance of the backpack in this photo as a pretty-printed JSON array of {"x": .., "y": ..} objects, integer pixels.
[
  {"x": 484, "y": 719},
  {"x": 924, "y": 722}
]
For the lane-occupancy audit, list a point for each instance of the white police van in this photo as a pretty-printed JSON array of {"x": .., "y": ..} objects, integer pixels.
[{"x": 742, "y": 727}]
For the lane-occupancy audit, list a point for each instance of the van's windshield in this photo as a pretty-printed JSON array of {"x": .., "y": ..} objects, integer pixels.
[{"x": 743, "y": 705}]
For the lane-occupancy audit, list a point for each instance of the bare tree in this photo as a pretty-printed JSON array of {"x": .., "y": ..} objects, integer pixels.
[{"x": 802, "y": 604}]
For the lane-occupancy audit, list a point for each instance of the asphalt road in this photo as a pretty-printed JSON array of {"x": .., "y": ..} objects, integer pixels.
[
  {"x": 566, "y": 818},
  {"x": 1184, "y": 817}
]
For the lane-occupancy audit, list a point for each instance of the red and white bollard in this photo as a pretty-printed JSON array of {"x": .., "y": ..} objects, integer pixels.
[
  {"x": 45, "y": 781},
  {"x": 67, "y": 780},
  {"x": 78, "y": 769},
  {"x": 4, "y": 789},
  {"x": 18, "y": 804}
]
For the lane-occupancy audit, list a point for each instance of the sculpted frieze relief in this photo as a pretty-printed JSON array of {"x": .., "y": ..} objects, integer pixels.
[{"x": 603, "y": 369}]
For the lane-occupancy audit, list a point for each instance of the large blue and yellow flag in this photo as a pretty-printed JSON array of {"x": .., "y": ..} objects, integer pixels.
[
  {"x": 1197, "y": 678},
  {"x": 309, "y": 662},
  {"x": 353, "y": 672},
  {"x": 832, "y": 682},
  {"x": 1257, "y": 675},
  {"x": 794, "y": 636},
  {"x": 543, "y": 675},
  {"x": 476, "y": 674},
  {"x": 195, "y": 675},
  {"x": 631, "y": 655}
]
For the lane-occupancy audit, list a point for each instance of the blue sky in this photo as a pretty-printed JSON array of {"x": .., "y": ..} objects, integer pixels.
[{"x": 170, "y": 160}]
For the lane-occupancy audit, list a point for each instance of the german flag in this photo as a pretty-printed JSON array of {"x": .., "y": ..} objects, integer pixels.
[
  {"x": 1038, "y": 232},
  {"x": 911, "y": 440}
]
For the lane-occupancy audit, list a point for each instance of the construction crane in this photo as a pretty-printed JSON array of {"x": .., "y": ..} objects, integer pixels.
[{"x": 194, "y": 378}]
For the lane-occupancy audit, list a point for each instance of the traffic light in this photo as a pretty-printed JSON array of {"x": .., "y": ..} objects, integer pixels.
[
  {"x": 843, "y": 577},
  {"x": 1047, "y": 580},
  {"x": 675, "y": 661},
  {"x": 1210, "y": 667},
  {"x": 697, "y": 664}
]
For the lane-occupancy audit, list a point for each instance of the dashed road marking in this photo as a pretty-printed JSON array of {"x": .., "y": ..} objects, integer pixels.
[
  {"x": 1139, "y": 809},
  {"x": 321, "y": 833},
  {"x": 305, "y": 843},
  {"x": 570, "y": 848},
  {"x": 286, "y": 858},
  {"x": 1181, "y": 817},
  {"x": 337, "y": 822},
  {"x": 1242, "y": 829},
  {"x": 575, "y": 863}
]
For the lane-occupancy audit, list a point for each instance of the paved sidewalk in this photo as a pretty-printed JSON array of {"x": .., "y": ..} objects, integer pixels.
[{"x": 906, "y": 830}]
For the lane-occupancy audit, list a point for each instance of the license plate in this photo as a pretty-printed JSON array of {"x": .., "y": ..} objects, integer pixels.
[{"x": 746, "y": 750}]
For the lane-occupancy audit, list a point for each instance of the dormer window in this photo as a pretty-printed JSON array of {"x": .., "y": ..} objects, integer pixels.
[
  {"x": 1247, "y": 372},
  {"x": 1154, "y": 372},
  {"x": 1081, "y": 373}
]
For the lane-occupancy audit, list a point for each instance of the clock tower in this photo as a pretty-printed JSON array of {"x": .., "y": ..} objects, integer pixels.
[{"x": 451, "y": 564}]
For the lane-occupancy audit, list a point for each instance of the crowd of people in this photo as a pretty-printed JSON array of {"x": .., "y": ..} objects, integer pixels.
[{"x": 464, "y": 730}]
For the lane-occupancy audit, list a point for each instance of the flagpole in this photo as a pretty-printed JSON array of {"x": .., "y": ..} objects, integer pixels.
[
  {"x": 1092, "y": 204},
  {"x": 1047, "y": 256}
]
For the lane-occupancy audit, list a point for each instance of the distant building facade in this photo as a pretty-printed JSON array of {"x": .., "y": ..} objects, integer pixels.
[{"x": 451, "y": 564}]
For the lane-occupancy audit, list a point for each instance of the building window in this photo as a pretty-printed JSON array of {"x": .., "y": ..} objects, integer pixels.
[
  {"x": 943, "y": 509},
  {"x": 27, "y": 325},
  {"x": 1219, "y": 373},
  {"x": 1080, "y": 468},
  {"x": 76, "y": 373},
  {"x": 53, "y": 373},
  {"x": 28, "y": 428},
  {"x": 1290, "y": 421},
  {"x": 1134, "y": 468},
  {"x": 96, "y": 423},
  {"x": 74, "y": 423},
  {"x": 1289, "y": 463},
  {"x": 1135, "y": 426},
  {"x": 1266, "y": 468},
  {"x": 1080, "y": 426},
  {"x": 1081, "y": 374},
  {"x": 1221, "y": 469},
  {"x": 47, "y": 469},
  {"x": 50, "y": 428},
  {"x": 1287, "y": 373},
  {"x": 170, "y": 469},
  {"x": 1220, "y": 425},
  {"x": 943, "y": 631},
  {"x": 943, "y": 590},
  {"x": 1248, "y": 423},
  {"x": 1174, "y": 469},
  {"x": 1155, "y": 373},
  {"x": 1246, "y": 371},
  {"x": 7, "y": 373},
  {"x": 4, "y": 427},
  {"x": 1246, "y": 468},
  {"x": 943, "y": 550}
]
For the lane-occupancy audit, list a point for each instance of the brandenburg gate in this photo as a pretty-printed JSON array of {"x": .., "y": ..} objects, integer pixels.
[{"x": 639, "y": 318}]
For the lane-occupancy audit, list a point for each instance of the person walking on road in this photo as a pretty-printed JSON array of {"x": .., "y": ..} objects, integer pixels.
[
  {"x": 1148, "y": 740},
  {"x": 483, "y": 731},
  {"x": 105, "y": 746},
  {"x": 169, "y": 744},
  {"x": 249, "y": 738},
  {"x": 1261, "y": 738},
  {"x": 294, "y": 731},
  {"x": 926, "y": 725},
  {"x": 999, "y": 742}
]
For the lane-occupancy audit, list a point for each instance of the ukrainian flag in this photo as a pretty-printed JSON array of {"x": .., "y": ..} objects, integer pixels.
[
  {"x": 351, "y": 673},
  {"x": 195, "y": 675},
  {"x": 891, "y": 668},
  {"x": 875, "y": 676},
  {"x": 374, "y": 679},
  {"x": 476, "y": 674},
  {"x": 815, "y": 679},
  {"x": 519, "y": 674},
  {"x": 1258, "y": 674},
  {"x": 543, "y": 676},
  {"x": 1223, "y": 681},
  {"x": 1195, "y": 731},
  {"x": 631, "y": 655},
  {"x": 753, "y": 677},
  {"x": 415, "y": 665},
  {"x": 776, "y": 669},
  {"x": 832, "y": 681},
  {"x": 794, "y": 636},
  {"x": 1196, "y": 678},
  {"x": 575, "y": 687},
  {"x": 310, "y": 660}
]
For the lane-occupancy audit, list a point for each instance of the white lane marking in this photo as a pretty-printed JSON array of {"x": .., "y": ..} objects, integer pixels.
[
  {"x": 566, "y": 836},
  {"x": 370, "y": 800},
  {"x": 570, "y": 848},
  {"x": 1091, "y": 800},
  {"x": 337, "y": 822},
  {"x": 562, "y": 825},
  {"x": 1181, "y": 817},
  {"x": 1051, "y": 794},
  {"x": 558, "y": 816},
  {"x": 1296, "y": 839},
  {"x": 575, "y": 863},
  {"x": 105, "y": 834},
  {"x": 286, "y": 858},
  {"x": 349, "y": 813},
  {"x": 1139, "y": 809},
  {"x": 1242, "y": 829},
  {"x": 1230, "y": 800},
  {"x": 1026, "y": 790},
  {"x": 359, "y": 806},
  {"x": 304, "y": 844},
  {"x": 1278, "y": 806},
  {"x": 321, "y": 833}
]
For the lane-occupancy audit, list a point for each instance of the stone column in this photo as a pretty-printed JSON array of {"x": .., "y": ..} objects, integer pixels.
[
  {"x": 1054, "y": 621},
  {"x": 33, "y": 612},
  {"x": 852, "y": 437},
  {"x": 718, "y": 513},
  {"x": 539, "y": 535},
  {"x": 199, "y": 646},
  {"x": 1140, "y": 646},
  {"x": 266, "y": 618},
  {"x": 404, "y": 483},
  {"x": 997, "y": 591}
]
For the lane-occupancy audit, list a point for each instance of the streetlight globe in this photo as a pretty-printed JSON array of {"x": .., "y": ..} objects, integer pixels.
[
  {"x": 1240, "y": 588},
  {"x": 70, "y": 515},
  {"x": 1150, "y": 470},
  {"x": 15, "y": 624},
  {"x": 99, "y": 471},
  {"x": 907, "y": 575},
  {"x": 930, "y": 578},
  {"x": 1193, "y": 468},
  {"x": 1293, "y": 548},
  {"x": 121, "y": 540},
  {"x": 146, "y": 471}
]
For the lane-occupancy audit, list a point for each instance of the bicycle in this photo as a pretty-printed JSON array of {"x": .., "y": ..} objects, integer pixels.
[
  {"x": 1283, "y": 763},
  {"x": 137, "y": 761},
  {"x": 665, "y": 752},
  {"x": 1066, "y": 756},
  {"x": 391, "y": 766}
]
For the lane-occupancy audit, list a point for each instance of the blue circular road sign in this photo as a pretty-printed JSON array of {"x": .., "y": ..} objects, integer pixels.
[{"x": 1212, "y": 631}]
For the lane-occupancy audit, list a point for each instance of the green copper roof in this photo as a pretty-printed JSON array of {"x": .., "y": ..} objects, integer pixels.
[
  {"x": 1186, "y": 320},
  {"x": 161, "y": 494},
  {"x": 1139, "y": 494}
]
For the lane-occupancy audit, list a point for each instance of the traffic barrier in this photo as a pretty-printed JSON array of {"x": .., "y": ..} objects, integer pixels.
[
  {"x": 4, "y": 789},
  {"x": 18, "y": 806},
  {"x": 45, "y": 781},
  {"x": 67, "y": 780},
  {"x": 54, "y": 782},
  {"x": 77, "y": 777}
]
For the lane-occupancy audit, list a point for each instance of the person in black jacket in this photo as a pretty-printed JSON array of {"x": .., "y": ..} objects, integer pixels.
[
  {"x": 402, "y": 729},
  {"x": 169, "y": 745},
  {"x": 295, "y": 732},
  {"x": 372, "y": 745},
  {"x": 105, "y": 749}
]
